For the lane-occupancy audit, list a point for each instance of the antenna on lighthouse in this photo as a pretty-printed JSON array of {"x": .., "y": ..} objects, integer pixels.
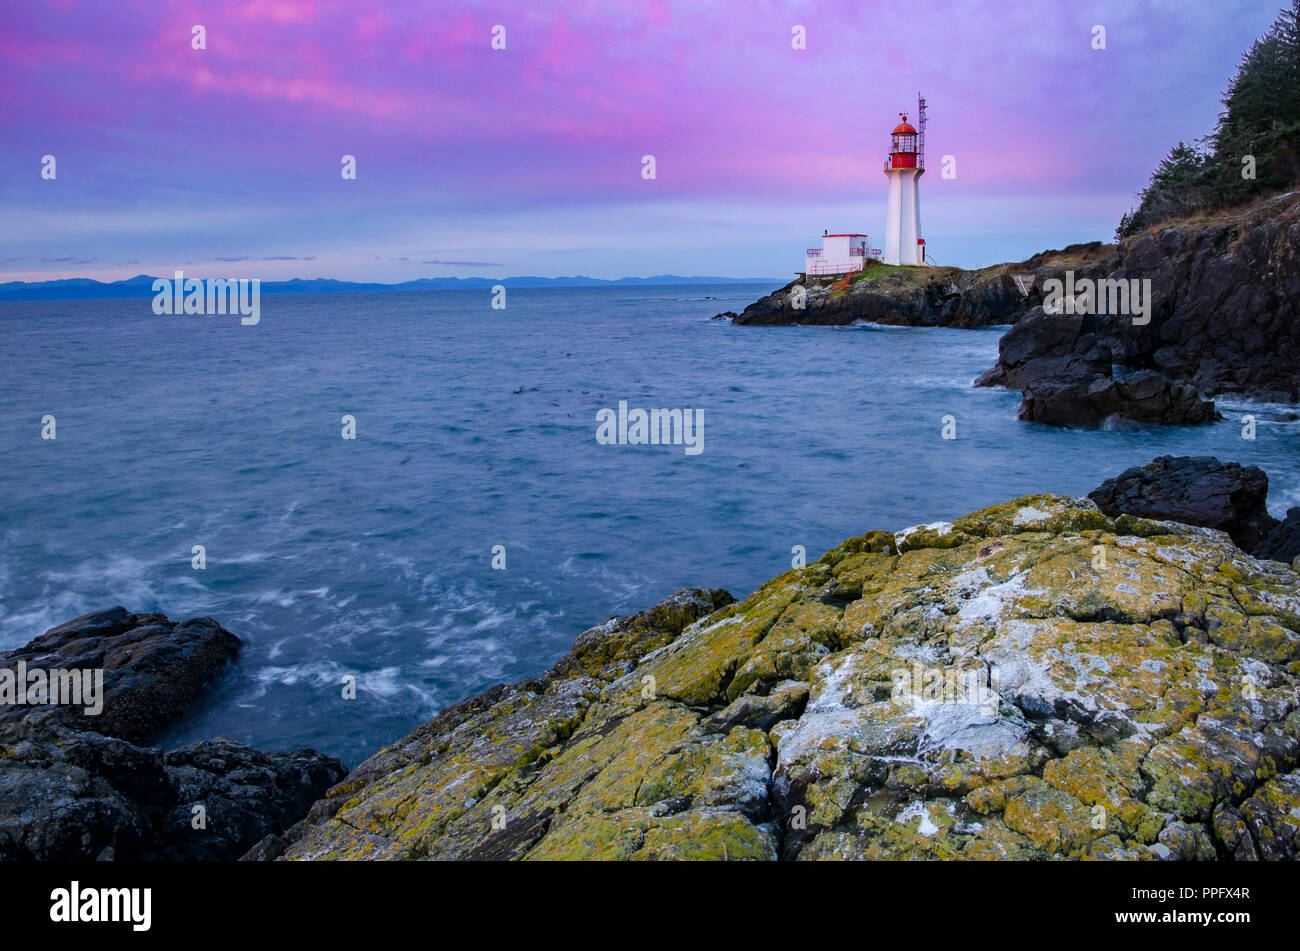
[{"x": 920, "y": 110}]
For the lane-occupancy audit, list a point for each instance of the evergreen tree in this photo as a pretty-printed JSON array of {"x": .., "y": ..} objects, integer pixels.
[
  {"x": 1258, "y": 132},
  {"x": 1179, "y": 186}
]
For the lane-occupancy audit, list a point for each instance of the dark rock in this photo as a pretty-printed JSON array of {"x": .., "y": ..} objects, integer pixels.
[
  {"x": 1060, "y": 404},
  {"x": 75, "y": 787},
  {"x": 1142, "y": 397},
  {"x": 985, "y": 304},
  {"x": 268, "y": 850},
  {"x": 942, "y": 297},
  {"x": 69, "y": 795},
  {"x": 152, "y": 669},
  {"x": 1048, "y": 348},
  {"x": 247, "y": 794},
  {"x": 1283, "y": 543},
  {"x": 1194, "y": 490},
  {"x": 930, "y": 296}
]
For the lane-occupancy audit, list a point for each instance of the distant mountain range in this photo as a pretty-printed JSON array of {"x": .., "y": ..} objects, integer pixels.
[{"x": 83, "y": 288}]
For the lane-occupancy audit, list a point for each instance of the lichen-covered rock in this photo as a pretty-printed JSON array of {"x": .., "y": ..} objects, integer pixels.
[{"x": 1034, "y": 680}]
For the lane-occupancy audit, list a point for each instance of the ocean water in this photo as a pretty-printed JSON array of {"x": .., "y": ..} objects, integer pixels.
[{"x": 476, "y": 428}]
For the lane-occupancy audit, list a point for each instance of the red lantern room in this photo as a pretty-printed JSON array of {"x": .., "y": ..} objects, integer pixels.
[{"x": 902, "y": 152}]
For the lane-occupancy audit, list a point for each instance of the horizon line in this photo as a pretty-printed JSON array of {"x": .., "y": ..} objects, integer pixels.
[{"x": 142, "y": 285}]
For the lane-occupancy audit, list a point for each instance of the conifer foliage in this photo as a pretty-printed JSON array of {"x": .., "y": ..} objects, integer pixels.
[{"x": 1255, "y": 146}]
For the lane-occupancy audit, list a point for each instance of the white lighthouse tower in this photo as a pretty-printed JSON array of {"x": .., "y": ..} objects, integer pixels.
[{"x": 904, "y": 167}]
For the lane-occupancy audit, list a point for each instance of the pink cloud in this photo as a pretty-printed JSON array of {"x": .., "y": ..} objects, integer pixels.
[{"x": 442, "y": 122}]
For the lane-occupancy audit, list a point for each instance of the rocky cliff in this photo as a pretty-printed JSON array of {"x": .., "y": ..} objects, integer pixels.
[
  {"x": 1031, "y": 681},
  {"x": 1224, "y": 318}
]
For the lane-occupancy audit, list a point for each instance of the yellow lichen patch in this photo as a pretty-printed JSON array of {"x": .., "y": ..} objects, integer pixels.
[
  {"x": 993, "y": 797},
  {"x": 1261, "y": 637},
  {"x": 707, "y": 836},
  {"x": 1107, "y": 778},
  {"x": 795, "y": 642},
  {"x": 697, "y": 668},
  {"x": 638, "y": 749},
  {"x": 994, "y": 842},
  {"x": 1056, "y": 514},
  {"x": 1052, "y": 820},
  {"x": 714, "y": 835}
]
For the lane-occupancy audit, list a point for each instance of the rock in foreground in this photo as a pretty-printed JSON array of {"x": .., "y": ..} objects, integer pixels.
[
  {"x": 77, "y": 787},
  {"x": 1032, "y": 681}
]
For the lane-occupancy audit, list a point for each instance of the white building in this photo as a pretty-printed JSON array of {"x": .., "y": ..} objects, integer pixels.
[
  {"x": 839, "y": 254},
  {"x": 846, "y": 253}
]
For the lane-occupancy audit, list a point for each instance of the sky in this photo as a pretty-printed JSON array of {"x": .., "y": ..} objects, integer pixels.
[{"x": 480, "y": 162}]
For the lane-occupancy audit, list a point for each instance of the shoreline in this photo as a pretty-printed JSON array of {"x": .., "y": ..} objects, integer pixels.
[{"x": 528, "y": 718}]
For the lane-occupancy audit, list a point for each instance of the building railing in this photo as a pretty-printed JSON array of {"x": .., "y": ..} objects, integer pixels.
[
  {"x": 824, "y": 267},
  {"x": 835, "y": 268}
]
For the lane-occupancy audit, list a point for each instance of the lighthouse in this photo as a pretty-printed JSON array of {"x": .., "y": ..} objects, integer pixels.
[{"x": 904, "y": 168}]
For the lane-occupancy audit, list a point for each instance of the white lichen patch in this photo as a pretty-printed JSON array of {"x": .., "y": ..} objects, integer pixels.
[
  {"x": 826, "y": 721},
  {"x": 918, "y": 812},
  {"x": 1029, "y": 515},
  {"x": 941, "y": 528},
  {"x": 993, "y": 602}
]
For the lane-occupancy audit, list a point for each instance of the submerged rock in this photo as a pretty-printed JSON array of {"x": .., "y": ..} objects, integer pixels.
[
  {"x": 76, "y": 787},
  {"x": 1035, "y": 680}
]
